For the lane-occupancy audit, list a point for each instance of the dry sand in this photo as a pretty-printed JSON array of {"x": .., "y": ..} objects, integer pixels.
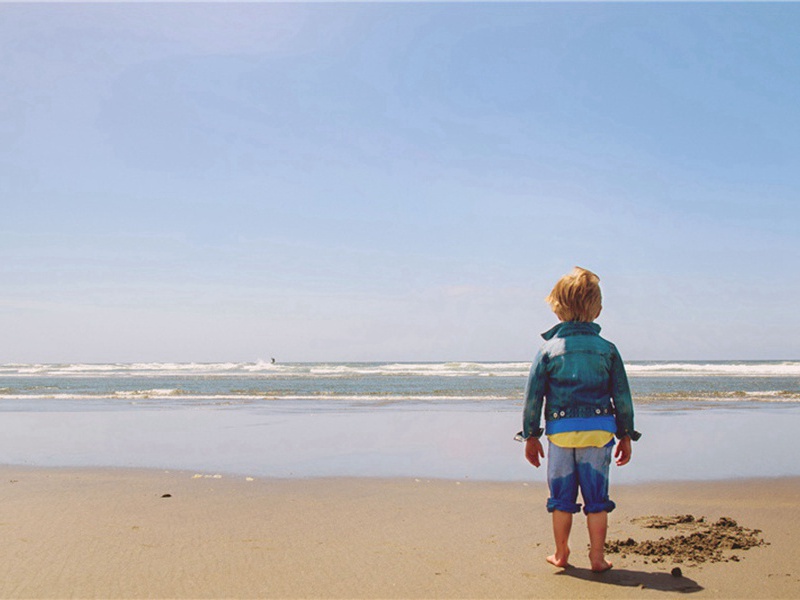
[{"x": 114, "y": 534}]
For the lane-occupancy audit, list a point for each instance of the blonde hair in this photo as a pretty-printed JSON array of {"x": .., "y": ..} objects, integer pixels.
[{"x": 576, "y": 296}]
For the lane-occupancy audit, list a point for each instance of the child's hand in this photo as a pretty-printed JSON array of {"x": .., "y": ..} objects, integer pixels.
[
  {"x": 623, "y": 451},
  {"x": 533, "y": 450}
]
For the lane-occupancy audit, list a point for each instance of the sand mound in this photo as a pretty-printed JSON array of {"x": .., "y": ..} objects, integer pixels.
[{"x": 703, "y": 542}]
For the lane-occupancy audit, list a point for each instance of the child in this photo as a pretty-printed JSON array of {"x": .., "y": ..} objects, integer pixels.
[{"x": 581, "y": 380}]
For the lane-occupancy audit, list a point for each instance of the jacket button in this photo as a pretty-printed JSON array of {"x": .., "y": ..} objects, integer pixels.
[
  {"x": 597, "y": 411},
  {"x": 555, "y": 415},
  {"x": 563, "y": 413}
]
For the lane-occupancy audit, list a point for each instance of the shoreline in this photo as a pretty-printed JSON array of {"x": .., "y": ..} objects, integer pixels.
[
  {"x": 236, "y": 476},
  {"x": 124, "y": 532}
]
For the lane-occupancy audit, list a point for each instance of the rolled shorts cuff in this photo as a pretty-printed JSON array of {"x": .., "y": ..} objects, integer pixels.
[
  {"x": 598, "y": 507},
  {"x": 554, "y": 504}
]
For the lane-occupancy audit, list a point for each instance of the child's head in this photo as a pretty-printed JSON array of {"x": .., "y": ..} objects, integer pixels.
[{"x": 576, "y": 296}]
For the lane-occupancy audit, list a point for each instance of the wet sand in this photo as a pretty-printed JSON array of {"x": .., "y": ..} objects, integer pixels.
[
  {"x": 93, "y": 533},
  {"x": 267, "y": 440}
]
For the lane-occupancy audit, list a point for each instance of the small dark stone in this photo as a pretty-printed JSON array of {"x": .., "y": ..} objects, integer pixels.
[
  {"x": 167, "y": 496},
  {"x": 676, "y": 572}
]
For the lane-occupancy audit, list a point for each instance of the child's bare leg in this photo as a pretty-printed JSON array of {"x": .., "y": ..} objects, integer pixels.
[
  {"x": 598, "y": 525},
  {"x": 562, "y": 525}
]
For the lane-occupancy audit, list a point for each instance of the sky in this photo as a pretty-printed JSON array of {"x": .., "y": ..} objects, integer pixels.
[{"x": 396, "y": 182}]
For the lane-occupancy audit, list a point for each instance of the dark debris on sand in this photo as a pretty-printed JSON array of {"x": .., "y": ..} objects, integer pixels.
[{"x": 703, "y": 542}]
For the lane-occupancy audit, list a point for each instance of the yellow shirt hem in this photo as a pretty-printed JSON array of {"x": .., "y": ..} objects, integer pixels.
[{"x": 581, "y": 439}]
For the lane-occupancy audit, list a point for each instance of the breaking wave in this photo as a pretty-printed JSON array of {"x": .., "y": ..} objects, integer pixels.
[
  {"x": 711, "y": 369},
  {"x": 269, "y": 370}
]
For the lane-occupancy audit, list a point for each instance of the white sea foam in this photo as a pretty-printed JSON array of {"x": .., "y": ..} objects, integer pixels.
[
  {"x": 734, "y": 397},
  {"x": 268, "y": 370},
  {"x": 180, "y": 397},
  {"x": 264, "y": 369},
  {"x": 709, "y": 369},
  {"x": 154, "y": 393}
]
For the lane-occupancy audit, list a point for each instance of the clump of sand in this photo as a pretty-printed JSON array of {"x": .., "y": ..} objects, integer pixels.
[{"x": 703, "y": 542}]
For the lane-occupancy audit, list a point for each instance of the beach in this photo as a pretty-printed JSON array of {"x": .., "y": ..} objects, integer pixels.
[
  {"x": 381, "y": 480},
  {"x": 393, "y": 420},
  {"x": 127, "y": 533},
  {"x": 282, "y": 282}
]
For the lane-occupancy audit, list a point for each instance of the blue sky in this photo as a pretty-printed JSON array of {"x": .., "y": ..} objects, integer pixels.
[{"x": 201, "y": 182}]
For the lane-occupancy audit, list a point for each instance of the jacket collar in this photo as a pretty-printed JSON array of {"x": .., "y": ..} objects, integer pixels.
[{"x": 566, "y": 328}]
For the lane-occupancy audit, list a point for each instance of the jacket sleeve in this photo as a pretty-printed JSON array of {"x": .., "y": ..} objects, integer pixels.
[
  {"x": 534, "y": 398},
  {"x": 621, "y": 394}
]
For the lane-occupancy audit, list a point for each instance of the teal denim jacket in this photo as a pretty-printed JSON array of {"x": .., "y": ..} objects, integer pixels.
[{"x": 580, "y": 375}]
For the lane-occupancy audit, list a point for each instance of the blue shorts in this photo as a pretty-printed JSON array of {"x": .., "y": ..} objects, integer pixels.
[{"x": 571, "y": 468}]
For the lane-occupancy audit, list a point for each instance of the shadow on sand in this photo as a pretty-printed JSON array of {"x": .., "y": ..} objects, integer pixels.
[{"x": 663, "y": 582}]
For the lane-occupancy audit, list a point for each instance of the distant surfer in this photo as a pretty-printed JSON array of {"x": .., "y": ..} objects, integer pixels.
[{"x": 273, "y": 361}]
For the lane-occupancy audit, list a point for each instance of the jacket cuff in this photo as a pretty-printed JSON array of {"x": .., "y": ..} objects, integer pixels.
[
  {"x": 634, "y": 435},
  {"x": 520, "y": 437}
]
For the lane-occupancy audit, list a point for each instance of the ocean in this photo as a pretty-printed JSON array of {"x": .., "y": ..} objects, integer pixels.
[{"x": 700, "y": 419}]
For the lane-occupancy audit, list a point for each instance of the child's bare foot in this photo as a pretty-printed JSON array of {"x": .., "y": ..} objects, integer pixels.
[
  {"x": 558, "y": 561},
  {"x": 600, "y": 566}
]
